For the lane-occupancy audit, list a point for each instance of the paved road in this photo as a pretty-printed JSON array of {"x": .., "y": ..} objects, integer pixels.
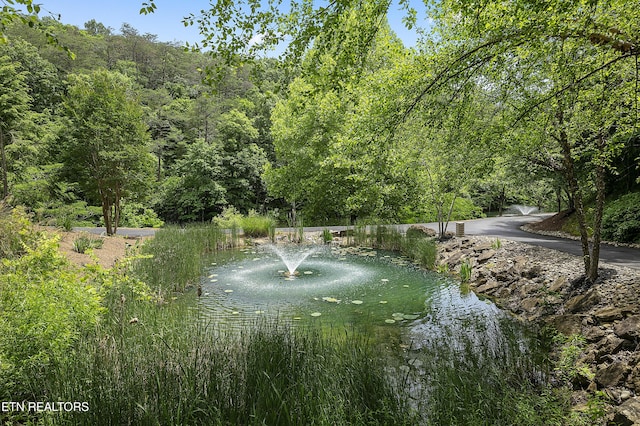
[{"x": 507, "y": 227}]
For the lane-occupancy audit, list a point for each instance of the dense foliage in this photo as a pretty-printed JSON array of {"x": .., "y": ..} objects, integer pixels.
[{"x": 508, "y": 103}]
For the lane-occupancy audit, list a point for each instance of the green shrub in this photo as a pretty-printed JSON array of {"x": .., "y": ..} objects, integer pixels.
[
  {"x": 16, "y": 232},
  {"x": 621, "y": 219},
  {"x": 230, "y": 218},
  {"x": 256, "y": 226},
  {"x": 136, "y": 215},
  {"x": 422, "y": 250},
  {"x": 45, "y": 305},
  {"x": 65, "y": 216},
  {"x": 84, "y": 242}
]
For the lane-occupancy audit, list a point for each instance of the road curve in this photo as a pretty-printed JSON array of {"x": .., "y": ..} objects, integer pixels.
[{"x": 506, "y": 227}]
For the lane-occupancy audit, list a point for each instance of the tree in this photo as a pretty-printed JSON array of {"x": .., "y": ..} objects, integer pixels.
[
  {"x": 106, "y": 146},
  {"x": 195, "y": 192},
  {"x": 14, "y": 103}
]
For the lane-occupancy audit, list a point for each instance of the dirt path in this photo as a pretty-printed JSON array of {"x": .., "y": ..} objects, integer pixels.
[{"x": 113, "y": 248}]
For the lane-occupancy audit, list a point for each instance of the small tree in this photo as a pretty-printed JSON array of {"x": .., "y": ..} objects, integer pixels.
[
  {"x": 106, "y": 146},
  {"x": 14, "y": 101}
]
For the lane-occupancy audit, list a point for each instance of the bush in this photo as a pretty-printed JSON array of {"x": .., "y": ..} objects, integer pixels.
[
  {"x": 256, "y": 226},
  {"x": 16, "y": 232},
  {"x": 135, "y": 215},
  {"x": 230, "y": 218},
  {"x": 621, "y": 219},
  {"x": 85, "y": 242},
  {"x": 45, "y": 305}
]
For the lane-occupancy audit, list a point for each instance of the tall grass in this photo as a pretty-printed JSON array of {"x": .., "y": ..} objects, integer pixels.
[
  {"x": 484, "y": 378},
  {"x": 171, "y": 367},
  {"x": 421, "y": 249},
  {"x": 175, "y": 256}
]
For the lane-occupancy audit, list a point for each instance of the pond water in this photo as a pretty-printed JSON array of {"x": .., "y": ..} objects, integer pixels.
[
  {"x": 438, "y": 341},
  {"x": 350, "y": 287}
]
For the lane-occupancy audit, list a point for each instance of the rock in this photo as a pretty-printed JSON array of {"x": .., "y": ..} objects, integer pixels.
[
  {"x": 628, "y": 413},
  {"x": 613, "y": 374},
  {"x": 532, "y": 272},
  {"x": 634, "y": 379},
  {"x": 567, "y": 324},
  {"x": 559, "y": 284},
  {"x": 610, "y": 345},
  {"x": 486, "y": 256},
  {"x": 628, "y": 328},
  {"x": 593, "y": 334},
  {"x": 583, "y": 302},
  {"x": 608, "y": 314},
  {"x": 454, "y": 258},
  {"x": 490, "y": 286},
  {"x": 530, "y": 304},
  {"x": 483, "y": 246},
  {"x": 421, "y": 230}
]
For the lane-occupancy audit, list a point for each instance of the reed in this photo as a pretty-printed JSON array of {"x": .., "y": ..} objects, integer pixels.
[
  {"x": 175, "y": 256},
  {"x": 489, "y": 381},
  {"x": 172, "y": 367}
]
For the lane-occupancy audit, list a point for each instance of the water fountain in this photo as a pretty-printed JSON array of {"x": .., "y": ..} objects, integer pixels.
[
  {"x": 292, "y": 257},
  {"x": 524, "y": 210}
]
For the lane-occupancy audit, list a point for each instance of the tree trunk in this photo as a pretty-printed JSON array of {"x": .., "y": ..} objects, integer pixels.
[
  {"x": 3, "y": 158},
  {"x": 106, "y": 208},
  {"x": 574, "y": 191},
  {"x": 116, "y": 210},
  {"x": 600, "y": 172}
]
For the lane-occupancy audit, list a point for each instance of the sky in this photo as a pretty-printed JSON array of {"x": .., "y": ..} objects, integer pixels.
[{"x": 166, "y": 21}]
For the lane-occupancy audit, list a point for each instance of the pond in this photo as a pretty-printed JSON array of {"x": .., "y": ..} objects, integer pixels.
[
  {"x": 363, "y": 289},
  {"x": 438, "y": 340}
]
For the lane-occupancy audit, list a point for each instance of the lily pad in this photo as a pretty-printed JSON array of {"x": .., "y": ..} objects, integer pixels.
[
  {"x": 384, "y": 280},
  {"x": 410, "y": 316},
  {"x": 214, "y": 281},
  {"x": 228, "y": 290},
  {"x": 259, "y": 312},
  {"x": 357, "y": 302},
  {"x": 316, "y": 314},
  {"x": 383, "y": 302},
  {"x": 390, "y": 321},
  {"x": 235, "y": 313},
  {"x": 405, "y": 286}
]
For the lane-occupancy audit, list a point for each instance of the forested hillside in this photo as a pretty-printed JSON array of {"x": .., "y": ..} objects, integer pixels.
[
  {"x": 125, "y": 131},
  {"x": 129, "y": 119}
]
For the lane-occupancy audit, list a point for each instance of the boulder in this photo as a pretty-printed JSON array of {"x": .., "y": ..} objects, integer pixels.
[
  {"x": 486, "y": 255},
  {"x": 608, "y": 314},
  {"x": 612, "y": 374},
  {"x": 610, "y": 345},
  {"x": 530, "y": 304},
  {"x": 420, "y": 231},
  {"x": 559, "y": 284},
  {"x": 567, "y": 324},
  {"x": 628, "y": 413},
  {"x": 583, "y": 302},
  {"x": 488, "y": 287},
  {"x": 628, "y": 328},
  {"x": 593, "y": 334}
]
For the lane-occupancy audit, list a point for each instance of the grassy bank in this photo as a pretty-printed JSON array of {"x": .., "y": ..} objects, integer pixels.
[{"x": 172, "y": 367}]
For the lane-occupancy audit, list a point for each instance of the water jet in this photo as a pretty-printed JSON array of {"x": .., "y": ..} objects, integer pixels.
[{"x": 524, "y": 210}]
